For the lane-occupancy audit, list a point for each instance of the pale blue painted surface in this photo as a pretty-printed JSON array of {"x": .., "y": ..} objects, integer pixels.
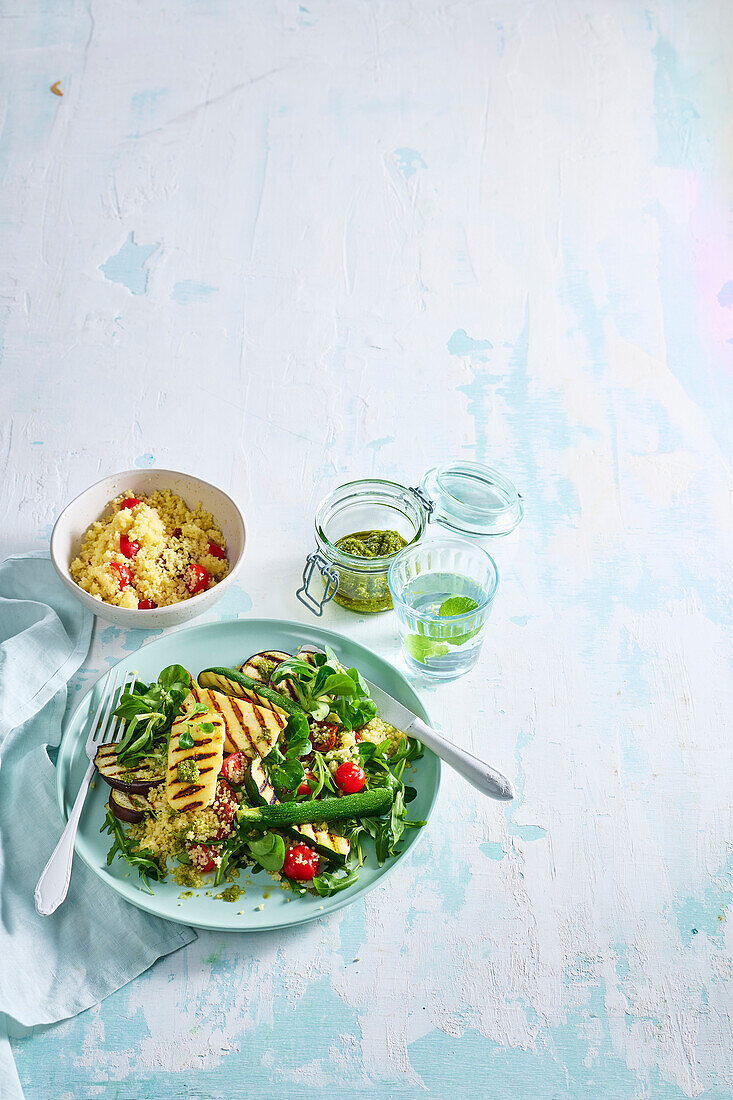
[
  {"x": 128, "y": 265},
  {"x": 544, "y": 286},
  {"x": 188, "y": 290}
]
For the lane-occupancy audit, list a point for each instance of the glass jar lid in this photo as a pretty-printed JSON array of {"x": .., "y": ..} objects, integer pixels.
[{"x": 472, "y": 499}]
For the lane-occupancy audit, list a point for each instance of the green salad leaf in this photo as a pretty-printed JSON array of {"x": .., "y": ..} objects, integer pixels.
[
  {"x": 330, "y": 882},
  {"x": 148, "y": 711},
  {"x": 323, "y": 686},
  {"x": 284, "y": 769},
  {"x": 268, "y": 851}
]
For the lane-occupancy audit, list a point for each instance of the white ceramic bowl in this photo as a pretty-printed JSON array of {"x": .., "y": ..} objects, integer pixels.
[{"x": 89, "y": 506}]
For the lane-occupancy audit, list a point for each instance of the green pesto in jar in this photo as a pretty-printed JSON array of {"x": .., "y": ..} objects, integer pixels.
[
  {"x": 371, "y": 544},
  {"x": 187, "y": 771},
  {"x": 367, "y": 591}
]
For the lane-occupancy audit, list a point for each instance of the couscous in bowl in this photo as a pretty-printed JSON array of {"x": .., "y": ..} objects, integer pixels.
[{"x": 86, "y": 509}]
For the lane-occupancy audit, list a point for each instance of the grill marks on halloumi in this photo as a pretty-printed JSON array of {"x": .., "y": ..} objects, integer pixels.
[
  {"x": 207, "y": 751},
  {"x": 251, "y": 728},
  {"x": 199, "y": 695}
]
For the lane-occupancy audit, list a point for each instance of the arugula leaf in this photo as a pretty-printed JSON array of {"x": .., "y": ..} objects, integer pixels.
[
  {"x": 141, "y": 858},
  {"x": 330, "y": 882},
  {"x": 323, "y": 776}
]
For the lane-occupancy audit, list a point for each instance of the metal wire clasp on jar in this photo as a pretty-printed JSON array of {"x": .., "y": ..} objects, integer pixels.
[{"x": 351, "y": 517}]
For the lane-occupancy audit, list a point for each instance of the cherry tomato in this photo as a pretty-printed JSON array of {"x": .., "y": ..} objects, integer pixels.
[
  {"x": 323, "y": 736},
  {"x": 200, "y": 856},
  {"x": 196, "y": 579},
  {"x": 129, "y": 547},
  {"x": 146, "y": 605},
  {"x": 304, "y": 788},
  {"x": 234, "y": 767},
  {"x": 225, "y": 807},
  {"x": 350, "y": 778},
  {"x": 301, "y": 863},
  {"x": 217, "y": 551},
  {"x": 124, "y": 576},
  {"x": 225, "y": 801},
  {"x": 129, "y": 502}
]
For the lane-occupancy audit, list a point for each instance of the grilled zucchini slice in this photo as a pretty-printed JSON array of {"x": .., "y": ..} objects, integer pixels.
[
  {"x": 261, "y": 793},
  {"x": 241, "y": 686}
]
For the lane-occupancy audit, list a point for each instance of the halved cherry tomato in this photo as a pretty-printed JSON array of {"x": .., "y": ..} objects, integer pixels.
[
  {"x": 301, "y": 863},
  {"x": 197, "y": 578},
  {"x": 217, "y": 551},
  {"x": 323, "y": 736},
  {"x": 225, "y": 807},
  {"x": 225, "y": 800},
  {"x": 349, "y": 777},
  {"x": 200, "y": 856},
  {"x": 234, "y": 767},
  {"x": 129, "y": 547},
  {"x": 129, "y": 502},
  {"x": 146, "y": 605},
  {"x": 124, "y": 576},
  {"x": 304, "y": 788}
]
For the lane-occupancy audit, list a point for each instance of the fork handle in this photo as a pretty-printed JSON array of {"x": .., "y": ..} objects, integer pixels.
[{"x": 53, "y": 885}]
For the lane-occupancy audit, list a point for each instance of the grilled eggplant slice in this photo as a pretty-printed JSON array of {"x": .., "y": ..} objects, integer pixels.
[
  {"x": 129, "y": 780},
  {"x": 130, "y": 808},
  {"x": 207, "y": 734},
  {"x": 260, "y": 665}
]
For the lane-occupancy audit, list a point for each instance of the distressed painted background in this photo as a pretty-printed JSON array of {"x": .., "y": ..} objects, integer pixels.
[{"x": 283, "y": 244}]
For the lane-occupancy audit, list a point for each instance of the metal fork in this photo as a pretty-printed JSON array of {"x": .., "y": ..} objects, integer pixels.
[{"x": 54, "y": 882}]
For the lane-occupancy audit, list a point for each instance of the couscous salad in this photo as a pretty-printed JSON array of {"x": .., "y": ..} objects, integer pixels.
[
  {"x": 150, "y": 551},
  {"x": 281, "y": 765}
]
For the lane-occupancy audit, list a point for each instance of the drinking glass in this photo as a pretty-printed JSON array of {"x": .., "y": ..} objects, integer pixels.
[{"x": 442, "y": 591}]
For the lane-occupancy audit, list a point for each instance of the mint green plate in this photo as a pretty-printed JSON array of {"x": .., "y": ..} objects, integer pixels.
[{"x": 199, "y": 647}]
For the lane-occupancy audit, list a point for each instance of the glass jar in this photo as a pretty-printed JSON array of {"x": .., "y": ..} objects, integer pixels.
[
  {"x": 465, "y": 498},
  {"x": 354, "y": 582}
]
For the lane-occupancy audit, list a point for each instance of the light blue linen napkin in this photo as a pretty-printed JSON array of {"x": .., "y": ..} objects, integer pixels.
[{"x": 51, "y": 967}]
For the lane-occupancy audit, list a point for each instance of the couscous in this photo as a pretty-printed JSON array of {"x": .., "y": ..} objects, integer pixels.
[
  {"x": 150, "y": 551},
  {"x": 289, "y": 773}
]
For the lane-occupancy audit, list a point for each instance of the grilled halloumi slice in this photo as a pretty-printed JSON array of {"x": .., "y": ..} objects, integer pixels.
[
  {"x": 250, "y": 728},
  {"x": 207, "y": 751},
  {"x": 199, "y": 695}
]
